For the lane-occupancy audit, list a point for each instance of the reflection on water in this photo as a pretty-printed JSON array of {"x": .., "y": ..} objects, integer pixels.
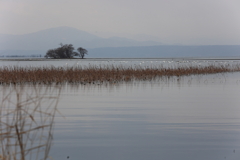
[
  {"x": 26, "y": 120},
  {"x": 183, "y": 118},
  {"x": 195, "y": 117}
]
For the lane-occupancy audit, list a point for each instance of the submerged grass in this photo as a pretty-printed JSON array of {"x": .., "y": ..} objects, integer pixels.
[
  {"x": 26, "y": 121},
  {"x": 98, "y": 74}
]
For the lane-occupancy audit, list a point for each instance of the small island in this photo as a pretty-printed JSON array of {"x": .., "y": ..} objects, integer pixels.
[{"x": 66, "y": 51}]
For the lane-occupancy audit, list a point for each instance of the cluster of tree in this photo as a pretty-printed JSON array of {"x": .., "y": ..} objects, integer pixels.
[{"x": 66, "y": 51}]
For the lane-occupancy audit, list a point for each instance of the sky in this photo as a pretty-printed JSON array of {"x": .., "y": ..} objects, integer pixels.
[{"x": 188, "y": 22}]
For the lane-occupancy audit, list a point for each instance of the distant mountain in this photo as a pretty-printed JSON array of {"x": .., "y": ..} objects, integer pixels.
[
  {"x": 51, "y": 38},
  {"x": 115, "y": 47}
]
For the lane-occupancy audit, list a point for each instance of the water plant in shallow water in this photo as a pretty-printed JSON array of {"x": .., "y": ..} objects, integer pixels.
[
  {"x": 100, "y": 74},
  {"x": 26, "y": 121}
]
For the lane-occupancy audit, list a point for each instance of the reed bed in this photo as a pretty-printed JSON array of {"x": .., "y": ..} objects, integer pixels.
[
  {"x": 26, "y": 121},
  {"x": 97, "y": 74}
]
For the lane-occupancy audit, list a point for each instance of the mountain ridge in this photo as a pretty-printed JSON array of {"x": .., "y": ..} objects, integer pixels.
[
  {"x": 38, "y": 43},
  {"x": 52, "y": 37}
]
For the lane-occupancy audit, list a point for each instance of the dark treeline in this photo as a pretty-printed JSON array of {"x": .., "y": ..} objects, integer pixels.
[{"x": 66, "y": 51}]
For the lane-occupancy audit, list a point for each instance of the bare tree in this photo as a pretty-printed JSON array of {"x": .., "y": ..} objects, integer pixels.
[{"x": 82, "y": 52}]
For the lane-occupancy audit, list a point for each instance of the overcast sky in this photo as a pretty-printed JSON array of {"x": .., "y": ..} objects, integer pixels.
[{"x": 169, "y": 21}]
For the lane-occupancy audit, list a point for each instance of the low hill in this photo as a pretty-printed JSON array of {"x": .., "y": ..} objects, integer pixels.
[{"x": 51, "y": 38}]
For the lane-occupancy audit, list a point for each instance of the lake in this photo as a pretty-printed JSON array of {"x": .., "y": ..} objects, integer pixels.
[{"x": 194, "y": 117}]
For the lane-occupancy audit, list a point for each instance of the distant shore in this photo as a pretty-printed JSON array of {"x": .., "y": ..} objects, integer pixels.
[{"x": 95, "y": 59}]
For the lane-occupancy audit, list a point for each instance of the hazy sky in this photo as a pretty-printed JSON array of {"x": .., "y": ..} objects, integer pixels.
[{"x": 169, "y": 21}]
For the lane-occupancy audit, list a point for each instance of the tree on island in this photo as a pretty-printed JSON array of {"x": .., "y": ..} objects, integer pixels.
[
  {"x": 65, "y": 51},
  {"x": 82, "y": 52}
]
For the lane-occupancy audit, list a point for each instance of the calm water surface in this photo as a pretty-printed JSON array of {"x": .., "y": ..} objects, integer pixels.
[{"x": 191, "y": 118}]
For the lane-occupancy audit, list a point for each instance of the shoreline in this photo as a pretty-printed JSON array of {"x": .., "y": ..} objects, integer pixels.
[{"x": 95, "y": 59}]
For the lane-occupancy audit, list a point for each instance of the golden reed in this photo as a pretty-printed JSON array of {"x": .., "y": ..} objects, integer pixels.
[{"x": 98, "y": 74}]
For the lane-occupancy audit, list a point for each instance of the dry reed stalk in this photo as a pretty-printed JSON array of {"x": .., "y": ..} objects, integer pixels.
[
  {"x": 26, "y": 121},
  {"x": 100, "y": 74}
]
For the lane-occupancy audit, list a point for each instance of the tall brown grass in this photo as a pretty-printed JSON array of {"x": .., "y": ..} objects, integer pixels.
[
  {"x": 27, "y": 108},
  {"x": 26, "y": 121},
  {"x": 98, "y": 74}
]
